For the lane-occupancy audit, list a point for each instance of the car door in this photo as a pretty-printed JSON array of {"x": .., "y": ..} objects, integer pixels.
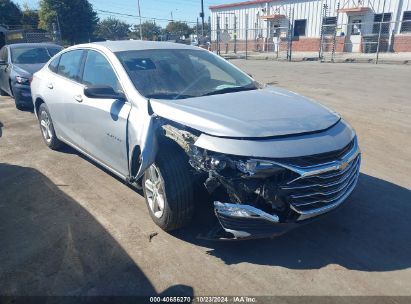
[
  {"x": 63, "y": 90},
  {"x": 102, "y": 123}
]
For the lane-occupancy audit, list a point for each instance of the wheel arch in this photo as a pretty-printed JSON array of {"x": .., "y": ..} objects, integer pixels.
[
  {"x": 11, "y": 88},
  {"x": 37, "y": 104},
  {"x": 162, "y": 144}
]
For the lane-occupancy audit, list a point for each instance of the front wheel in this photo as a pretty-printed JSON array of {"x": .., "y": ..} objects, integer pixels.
[
  {"x": 47, "y": 128},
  {"x": 168, "y": 190}
]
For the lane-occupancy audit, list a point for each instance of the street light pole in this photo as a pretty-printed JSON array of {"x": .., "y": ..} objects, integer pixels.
[{"x": 139, "y": 15}]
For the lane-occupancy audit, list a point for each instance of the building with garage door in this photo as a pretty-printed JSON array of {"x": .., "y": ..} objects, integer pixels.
[{"x": 346, "y": 25}]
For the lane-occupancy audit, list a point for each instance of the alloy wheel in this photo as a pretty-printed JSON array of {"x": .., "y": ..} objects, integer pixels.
[
  {"x": 45, "y": 125},
  {"x": 155, "y": 191}
]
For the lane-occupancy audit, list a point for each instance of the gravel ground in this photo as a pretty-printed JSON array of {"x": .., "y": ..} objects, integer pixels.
[{"x": 67, "y": 227}]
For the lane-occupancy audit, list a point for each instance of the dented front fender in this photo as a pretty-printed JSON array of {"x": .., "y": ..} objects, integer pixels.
[{"x": 142, "y": 137}]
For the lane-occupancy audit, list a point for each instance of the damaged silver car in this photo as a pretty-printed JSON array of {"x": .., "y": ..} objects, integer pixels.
[{"x": 171, "y": 119}]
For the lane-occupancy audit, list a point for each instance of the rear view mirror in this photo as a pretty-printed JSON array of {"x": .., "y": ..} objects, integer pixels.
[{"x": 103, "y": 92}]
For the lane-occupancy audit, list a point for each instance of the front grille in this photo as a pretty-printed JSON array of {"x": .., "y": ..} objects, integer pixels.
[{"x": 322, "y": 191}]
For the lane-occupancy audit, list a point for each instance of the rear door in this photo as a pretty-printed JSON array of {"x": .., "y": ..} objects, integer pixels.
[
  {"x": 64, "y": 90},
  {"x": 102, "y": 123}
]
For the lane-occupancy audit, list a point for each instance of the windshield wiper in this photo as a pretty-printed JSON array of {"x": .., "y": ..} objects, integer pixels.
[
  {"x": 169, "y": 96},
  {"x": 231, "y": 90}
]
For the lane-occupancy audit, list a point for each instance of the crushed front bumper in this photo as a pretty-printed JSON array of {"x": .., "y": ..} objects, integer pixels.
[
  {"x": 247, "y": 222},
  {"x": 317, "y": 190}
]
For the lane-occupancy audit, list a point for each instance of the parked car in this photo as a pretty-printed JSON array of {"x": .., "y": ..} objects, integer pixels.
[
  {"x": 170, "y": 118},
  {"x": 18, "y": 62}
]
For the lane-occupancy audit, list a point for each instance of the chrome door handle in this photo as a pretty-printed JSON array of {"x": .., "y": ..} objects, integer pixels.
[
  {"x": 50, "y": 86},
  {"x": 78, "y": 98}
]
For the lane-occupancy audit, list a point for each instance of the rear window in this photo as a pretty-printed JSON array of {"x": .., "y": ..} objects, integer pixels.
[{"x": 33, "y": 55}]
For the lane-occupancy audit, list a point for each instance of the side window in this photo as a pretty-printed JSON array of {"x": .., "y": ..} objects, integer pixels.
[
  {"x": 53, "y": 66},
  {"x": 70, "y": 64},
  {"x": 98, "y": 71}
]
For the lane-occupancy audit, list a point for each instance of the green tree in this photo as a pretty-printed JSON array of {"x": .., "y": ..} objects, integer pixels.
[
  {"x": 76, "y": 18},
  {"x": 206, "y": 29},
  {"x": 112, "y": 29},
  {"x": 178, "y": 28},
  {"x": 10, "y": 13},
  {"x": 150, "y": 30},
  {"x": 30, "y": 18}
]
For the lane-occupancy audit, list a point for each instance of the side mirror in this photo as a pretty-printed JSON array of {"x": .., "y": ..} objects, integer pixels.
[
  {"x": 103, "y": 92},
  {"x": 2, "y": 62}
]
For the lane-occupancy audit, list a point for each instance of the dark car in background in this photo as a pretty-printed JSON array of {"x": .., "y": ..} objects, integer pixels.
[{"x": 18, "y": 63}]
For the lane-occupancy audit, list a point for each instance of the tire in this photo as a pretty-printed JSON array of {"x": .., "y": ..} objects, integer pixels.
[
  {"x": 3, "y": 93},
  {"x": 175, "y": 187},
  {"x": 47, "y": 128}
]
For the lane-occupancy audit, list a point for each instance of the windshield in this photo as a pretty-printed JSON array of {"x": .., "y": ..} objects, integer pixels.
[
  {"x": 32, "y": 55},
  {"x": 178, "y": 74}
]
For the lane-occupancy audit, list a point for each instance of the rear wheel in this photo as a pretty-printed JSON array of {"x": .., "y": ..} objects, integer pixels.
[
  {"x": 47, "y": 128},
  {"x": 168, "y": 190},
  {"x": 3, "y": 93}
]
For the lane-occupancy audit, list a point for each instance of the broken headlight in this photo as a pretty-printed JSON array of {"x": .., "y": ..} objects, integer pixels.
[
  {"x": 206, "y": 160},
  {"x": 218, "y": 163},
  {"x": 252, "y": 166}
]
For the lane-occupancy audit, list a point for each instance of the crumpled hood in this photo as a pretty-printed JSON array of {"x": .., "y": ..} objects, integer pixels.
[
  {"x": 259, "y": 113},
  {"x": 27, "y": 69}
]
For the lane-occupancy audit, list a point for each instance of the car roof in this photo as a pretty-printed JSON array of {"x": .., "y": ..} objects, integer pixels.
[
  {"x": 133, "y": 45},
  {"x": 16, "y": 45}
]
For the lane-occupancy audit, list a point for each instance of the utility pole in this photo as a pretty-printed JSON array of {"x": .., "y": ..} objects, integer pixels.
[
  {"x": 202, "y": 18},
  {"x": 58, "y": 28},
  {"x": 172, "y": 20},
  {"x": 139, "y": 15},
  {"x": 197, "y": 28}
]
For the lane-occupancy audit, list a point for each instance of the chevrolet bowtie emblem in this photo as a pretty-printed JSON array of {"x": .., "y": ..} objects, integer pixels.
[{"x": 343, "y": 165}]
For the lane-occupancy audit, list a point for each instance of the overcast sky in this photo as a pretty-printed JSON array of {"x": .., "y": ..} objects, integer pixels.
[{"x": 185, "y": 10}]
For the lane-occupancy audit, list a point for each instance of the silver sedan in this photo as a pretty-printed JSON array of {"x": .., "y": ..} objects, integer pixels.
[{"x": 174, "y": 120}]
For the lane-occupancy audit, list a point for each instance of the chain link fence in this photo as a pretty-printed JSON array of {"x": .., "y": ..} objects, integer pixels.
[
  {"x": 24, "y": 34},
  {"x": 366, "y": 42},
  {"x": 355, "y": 41}
]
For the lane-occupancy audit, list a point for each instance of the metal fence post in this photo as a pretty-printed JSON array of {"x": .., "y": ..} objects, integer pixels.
[
  {"x": 290, "y": 35},
  {"x": 379, "y": 33},
  {"x": 226, "y": 32},
  {"x": 235, "y": 34},
  {"x": 335, "y": 34},
  {"x": 246, "y": 36},
  {"x": 218, "y": 35},
  {"x": 320, "y": 52}
]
